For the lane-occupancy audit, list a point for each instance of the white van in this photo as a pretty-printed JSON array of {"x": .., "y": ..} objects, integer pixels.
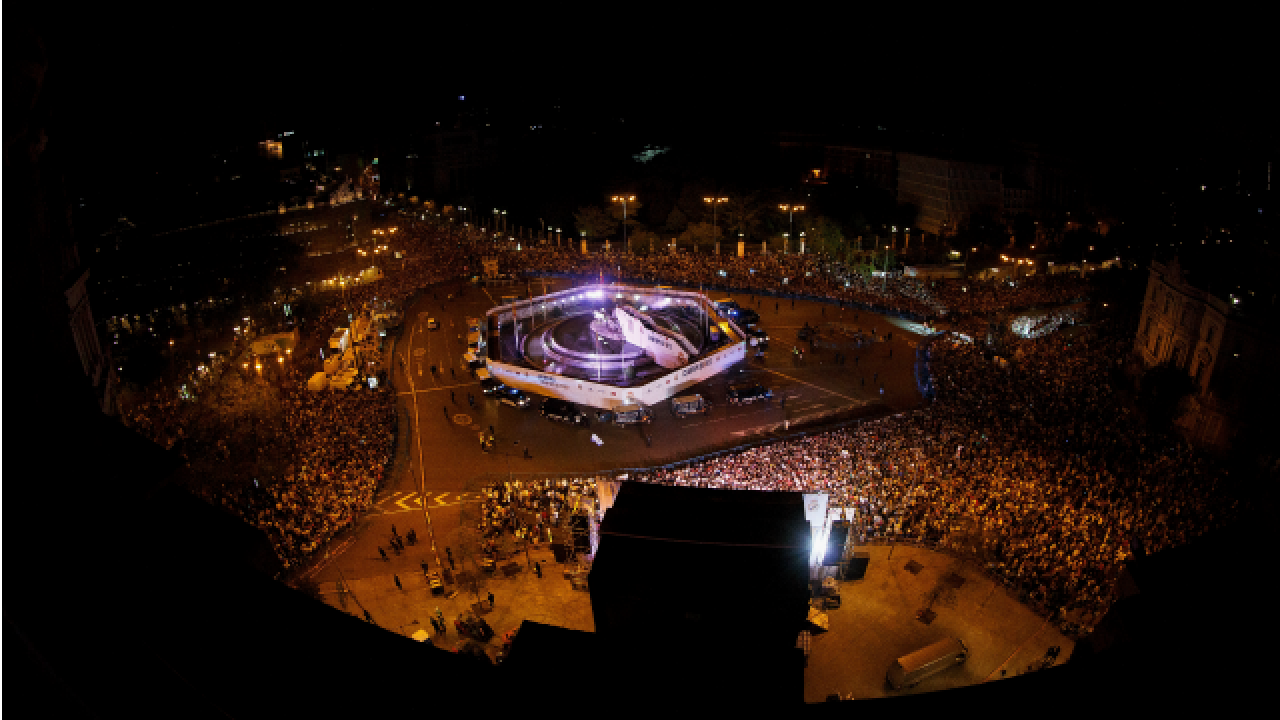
[{"x": 910, "y": 670}]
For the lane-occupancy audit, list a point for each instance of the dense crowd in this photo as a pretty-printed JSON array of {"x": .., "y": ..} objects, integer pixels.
[
  {"x": 530, "y": 508},
  {"x": 806, "y": 275},
  {"x": 346, "y": 443},
  {"x": 300, "y": 465},
  {"x": 1031, "y": 466},
  {"x": 1055, "y": 476}
]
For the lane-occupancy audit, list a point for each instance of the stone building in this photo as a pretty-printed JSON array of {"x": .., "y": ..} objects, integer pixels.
[{"x": 1223, "y": 351}]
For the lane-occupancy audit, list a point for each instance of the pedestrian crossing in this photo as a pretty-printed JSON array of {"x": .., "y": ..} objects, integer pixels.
[{"x": 399, "y": 501}]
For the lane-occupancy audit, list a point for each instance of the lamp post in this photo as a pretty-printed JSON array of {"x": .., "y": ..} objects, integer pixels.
[
  {"x": 624, "y": 199},
  {"x": 790, "y": 210},
  {"x": 713, "y": 202}
]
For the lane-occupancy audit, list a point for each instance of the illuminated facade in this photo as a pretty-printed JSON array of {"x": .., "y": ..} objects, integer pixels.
[{"x": 1200, "y": 334}]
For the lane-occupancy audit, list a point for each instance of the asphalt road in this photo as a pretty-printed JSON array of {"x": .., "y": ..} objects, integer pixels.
[{"x": 445, "y": 456}]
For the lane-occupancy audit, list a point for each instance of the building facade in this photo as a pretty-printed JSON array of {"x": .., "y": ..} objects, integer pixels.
[
  {"x": 950, "y": 193},
  {"x": 1198, "y": 333},
  {"x": 875, "y": 166}
]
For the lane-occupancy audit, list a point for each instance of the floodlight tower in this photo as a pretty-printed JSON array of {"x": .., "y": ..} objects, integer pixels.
[
  {"x": 713, "y": 202},
  {"x": 624, "y": 199},
  {"x": 790, "y": 210}
]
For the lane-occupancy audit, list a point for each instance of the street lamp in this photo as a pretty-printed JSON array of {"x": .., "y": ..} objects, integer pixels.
[
  {"x": 713, "y": 202},
  {"x": 624, "y": 199},
  {"x": 790, "y": 210}
]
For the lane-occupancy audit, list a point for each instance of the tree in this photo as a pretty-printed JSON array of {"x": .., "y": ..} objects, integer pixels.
[
  {"x": 698, "y": 234},
  {"x": 642, "y": 239},
  {"x": 595, "y": 221},
  {"x": 677, "y": 221},
  {"x": 633, "y": 210},
  {"x": 825, "y": 234},
  {"x": 743, "y": 215}
]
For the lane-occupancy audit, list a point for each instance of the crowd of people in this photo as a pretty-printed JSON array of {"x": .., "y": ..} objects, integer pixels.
[
  {"x": 342, "y": 444},
  {"x": 1031, "y": 467},
  {"x": 1031, "y": 464},
  {"x": 297, "y": 464},
  {"x": 804, "y": 275},
  {"x": 530, "y": 508}
]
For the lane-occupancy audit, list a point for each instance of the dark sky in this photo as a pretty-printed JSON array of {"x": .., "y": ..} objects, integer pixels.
[{"x": 190, "y": 74}]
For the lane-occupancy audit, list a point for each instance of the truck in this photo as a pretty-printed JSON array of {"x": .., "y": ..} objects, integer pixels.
[{"x": 912, "y": 669}]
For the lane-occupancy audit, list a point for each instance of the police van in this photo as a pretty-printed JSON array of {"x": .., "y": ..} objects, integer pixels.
[
  {"x": 631, "y": 414},
  {"x": 686, "y": 405},
  {"x": 726, "y": 307}
]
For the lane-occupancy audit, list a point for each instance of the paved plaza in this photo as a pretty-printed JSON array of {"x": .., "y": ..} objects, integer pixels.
[{"x": 875, "y": 624}]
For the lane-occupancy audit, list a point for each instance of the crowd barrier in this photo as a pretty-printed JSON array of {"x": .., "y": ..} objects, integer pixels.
[{"x": 881, "y": 310}]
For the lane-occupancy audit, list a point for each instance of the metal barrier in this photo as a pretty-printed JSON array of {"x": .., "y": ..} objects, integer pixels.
[{"x": 879, "y": 309}]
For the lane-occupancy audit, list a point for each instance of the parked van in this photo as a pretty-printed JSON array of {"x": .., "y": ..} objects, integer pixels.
[
  {"x": 910, "y": 670},
  {"x": 689, "y": 405},
  {"x": 631, "y": 414},
  {"x": 475, "y": 342}
]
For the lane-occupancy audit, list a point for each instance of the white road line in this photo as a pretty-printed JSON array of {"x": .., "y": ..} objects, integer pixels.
[
  {"x": 816, "y": 387},
  {"x": 431, "y": 390}
]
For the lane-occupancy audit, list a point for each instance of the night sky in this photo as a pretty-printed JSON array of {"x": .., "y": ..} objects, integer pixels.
[{"x": 1139, "y": 84}]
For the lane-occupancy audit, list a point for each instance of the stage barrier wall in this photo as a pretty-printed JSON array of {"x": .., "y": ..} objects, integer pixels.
[{"x": 602, "y": 395}]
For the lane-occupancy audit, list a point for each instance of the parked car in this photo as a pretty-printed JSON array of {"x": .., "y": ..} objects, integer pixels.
[
  {"x": 563, "y": 411},
  {"x": 747, "y": 394},
  {"x": 756, "y": 336},
  {"x": 631, "y": 414},
  {"x": 689, "y": 405},
  {"x": 491, "y": 386},
  {"x": 432, "y": 324},
  {"x": 513, "y": 397}
]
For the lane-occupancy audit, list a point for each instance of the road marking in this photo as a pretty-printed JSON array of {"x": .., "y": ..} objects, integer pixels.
[
  {"x": 413, "y": 499},
  {"x": 816, "y": 387},
  {"x": 430, "y": 390}
]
